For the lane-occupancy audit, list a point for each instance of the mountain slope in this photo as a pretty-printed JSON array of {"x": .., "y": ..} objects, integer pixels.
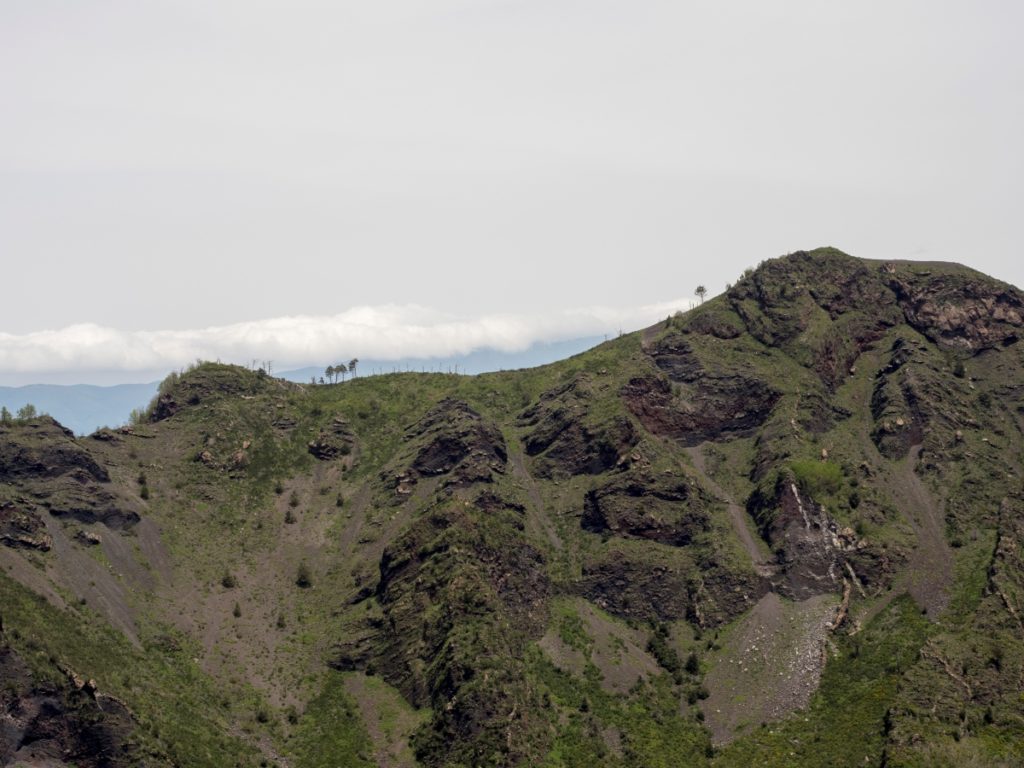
[{"x": 784, "y": 528}]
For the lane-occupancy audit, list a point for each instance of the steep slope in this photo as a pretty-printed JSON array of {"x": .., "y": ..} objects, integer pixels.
[{"x": 784, "y": 528}]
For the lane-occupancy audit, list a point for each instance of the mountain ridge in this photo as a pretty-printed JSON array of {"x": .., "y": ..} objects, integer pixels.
[
  {"x": 86, "y": 407},
  {"x": 782, "y": 528}
]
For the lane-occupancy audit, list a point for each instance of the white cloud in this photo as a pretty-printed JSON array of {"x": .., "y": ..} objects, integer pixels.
[{"x": 387, "y": 332}]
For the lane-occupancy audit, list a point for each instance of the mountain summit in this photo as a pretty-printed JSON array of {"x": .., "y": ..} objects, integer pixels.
[{"x": 784, "y": 528}]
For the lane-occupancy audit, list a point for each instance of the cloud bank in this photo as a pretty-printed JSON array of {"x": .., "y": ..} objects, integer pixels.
[{"x": 387, "y": 332}]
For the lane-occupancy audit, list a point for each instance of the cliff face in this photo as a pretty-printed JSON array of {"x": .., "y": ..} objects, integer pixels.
[
  {"x": 803, "y": 495},
  {"x": 60, "y": 722}
]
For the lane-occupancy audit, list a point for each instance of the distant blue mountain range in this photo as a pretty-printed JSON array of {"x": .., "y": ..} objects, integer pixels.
[
  {"x": 481, "y": 361},
  {"x": 83, "y": 408}
]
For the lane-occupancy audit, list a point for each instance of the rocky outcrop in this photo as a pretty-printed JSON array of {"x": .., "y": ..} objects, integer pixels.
[
  {"x": 566, "y": 440},
  {"x": 88, "y": 503},
  {"x": 960, "y": 309},
  {"x": 713, "y": 407},
  {"x": 785, "y": 297},
  {"x": 333, "y": 441},
  {"x": 807, "y": 543},
  {"x": 46, "y": 723},
  {"x": 460, "y": 591},
  {"x": 814, "y": 553},
  {"x": 667, "y": 510},
  {"x": 52, "y": 471},
  {"x": 21, "y": 528},
  {"x": 692, "y": 402},
  {"x": 627, "y": 583},
  {"x": 459, "y": 443},
  {"x": 42, "y": 449},
  {"x": 659, "y": 585},
  {"x": 896, "y": 404},
  {"x": 713, "y": 323},
  {"x": 824, "y": 308}
]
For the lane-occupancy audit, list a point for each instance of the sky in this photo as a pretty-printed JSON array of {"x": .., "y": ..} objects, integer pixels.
[{"x": 294, "y": 179}]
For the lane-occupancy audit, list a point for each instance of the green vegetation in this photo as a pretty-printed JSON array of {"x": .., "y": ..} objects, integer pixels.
[
  {"x": 818, "y": 478},
  {"x": 27, "y": 412},
  {"x": 648, "y": 726},
  {"x": 330, "y": 733}
]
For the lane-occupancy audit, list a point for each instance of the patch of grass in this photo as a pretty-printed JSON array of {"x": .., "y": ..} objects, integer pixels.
[
  {"x": 330, "y": 733},
  {"x": 652, "y": 729},
  {"x": 817, "y": 478}
]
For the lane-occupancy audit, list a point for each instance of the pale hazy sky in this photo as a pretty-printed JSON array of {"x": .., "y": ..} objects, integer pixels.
[{"x": 181, "y": 166}]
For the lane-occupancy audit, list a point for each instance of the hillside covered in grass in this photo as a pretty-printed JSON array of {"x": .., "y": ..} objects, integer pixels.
[{"x": 784, "y": 528}]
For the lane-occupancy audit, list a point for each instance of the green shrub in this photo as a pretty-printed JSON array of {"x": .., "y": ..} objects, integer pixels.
[
  {"x": 817, "y": 478},
  {"x": 663, "y": 652},
  {"x": 692, "y": 664},
  {"x": 304, "y": 578}
]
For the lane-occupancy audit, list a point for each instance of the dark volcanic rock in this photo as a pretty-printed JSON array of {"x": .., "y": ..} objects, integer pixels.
[
  {"x": 696, "y": 403},
  {"x": 806, "y": 541},
  {"x": 565, "y": 440},
  {"x": 89, "y": 503},
  {"x": 44, "y": 463},
  {"x": 582, "y": 450},
  {"x": 714, "y": 407},
  {"x": 630, "y": 585},
  {"x": 648, "y": 585},
  {"x": 711, "y": 323},
  {"x": 824, "y": 308},
  {"x": 42, "y": 448},
  {"x": 458, "y": 442},
  {"x": 48, "y": 724},
  {"x": 667, "y": 510},
  {"x": 332, "y": 442},
  {"x": 896, "y": 405},
  {"x": 783, "y": 297}
]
